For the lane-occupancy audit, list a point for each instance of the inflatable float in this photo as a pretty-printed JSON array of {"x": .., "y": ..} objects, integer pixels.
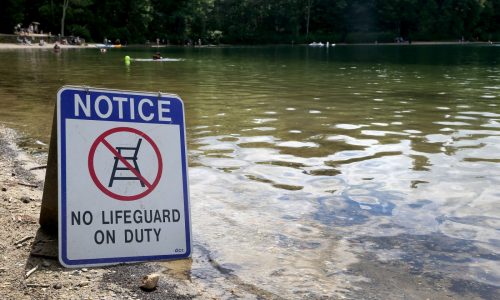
[{"x": 156, "y": 59}]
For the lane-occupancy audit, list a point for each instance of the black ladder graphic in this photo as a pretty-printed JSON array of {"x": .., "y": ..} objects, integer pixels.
[{"x": 132, "y": 159}]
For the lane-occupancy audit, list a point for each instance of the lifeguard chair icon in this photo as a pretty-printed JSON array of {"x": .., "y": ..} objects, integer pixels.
[{"x": 125, "y": 153}]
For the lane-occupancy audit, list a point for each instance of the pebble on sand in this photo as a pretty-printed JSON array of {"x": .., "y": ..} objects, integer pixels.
[
  {"x": 150, "y": 282},
  {"x": 57, "y": 286}
]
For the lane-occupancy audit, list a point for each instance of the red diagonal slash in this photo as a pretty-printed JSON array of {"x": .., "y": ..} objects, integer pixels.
[
  {"x": 101, "y": 139},
  {"x": 126, "y": 163}
]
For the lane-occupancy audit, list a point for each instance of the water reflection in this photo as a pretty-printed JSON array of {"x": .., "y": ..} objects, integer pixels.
[{"x": 314, "y": 174}]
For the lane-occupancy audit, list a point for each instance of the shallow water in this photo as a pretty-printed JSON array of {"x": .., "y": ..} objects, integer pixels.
[{"x": 354, "y": 171}]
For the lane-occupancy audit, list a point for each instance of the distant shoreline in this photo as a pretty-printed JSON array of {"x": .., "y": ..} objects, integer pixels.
[
  {"x": 9, "y": 46},
  {"x": 427, "y": 43}
]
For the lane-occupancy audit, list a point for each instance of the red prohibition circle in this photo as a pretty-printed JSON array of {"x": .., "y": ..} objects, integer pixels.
[{"x": 102, "y": 139}]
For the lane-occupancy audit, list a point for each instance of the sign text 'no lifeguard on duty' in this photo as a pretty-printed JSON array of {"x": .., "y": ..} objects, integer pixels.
[{"x": 123, "y": 186}]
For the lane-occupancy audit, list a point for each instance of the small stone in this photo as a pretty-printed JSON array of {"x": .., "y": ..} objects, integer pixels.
[
  {"x": 83, "y": 283},
  {"x": 4, "y": 189},
  {"x": 46, "y": 263},
  {"x": 57, "y": 286},
  {"x": 150, "y": 282},
  {"x": 13, "y": 174},
  {"x": 85, "y": 270},
  {"x": 25, "y": 199}
]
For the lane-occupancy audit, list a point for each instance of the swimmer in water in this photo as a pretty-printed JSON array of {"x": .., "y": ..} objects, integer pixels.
[{"x": 157, "y": 56}]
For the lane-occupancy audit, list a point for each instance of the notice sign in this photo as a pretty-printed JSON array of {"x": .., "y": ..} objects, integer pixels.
[{"x": 123, "y": 193}]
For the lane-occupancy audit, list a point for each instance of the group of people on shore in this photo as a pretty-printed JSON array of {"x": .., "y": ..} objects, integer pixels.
[{"x": 31, "y": 29}]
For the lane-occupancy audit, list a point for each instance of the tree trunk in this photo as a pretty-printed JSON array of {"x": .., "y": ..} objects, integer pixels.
[
  {"x": 309, "y": 3},
  {"x": 65, "y": 6},
  {"x": 52, "y": 19}
]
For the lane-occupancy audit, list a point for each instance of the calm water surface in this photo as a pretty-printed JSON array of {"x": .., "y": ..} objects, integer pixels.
[{"x": 357, "y": 171}]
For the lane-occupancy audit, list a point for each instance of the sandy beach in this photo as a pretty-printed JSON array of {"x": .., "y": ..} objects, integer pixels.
[{"x": 45, "y": 46}]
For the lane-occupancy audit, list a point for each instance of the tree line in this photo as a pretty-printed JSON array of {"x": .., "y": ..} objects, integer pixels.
[{"x": 258, "y": 21}]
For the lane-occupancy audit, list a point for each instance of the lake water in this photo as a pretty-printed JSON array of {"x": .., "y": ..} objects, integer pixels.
[{"x": 354, "y": 171}]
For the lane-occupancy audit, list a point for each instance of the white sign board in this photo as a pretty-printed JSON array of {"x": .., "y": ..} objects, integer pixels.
[{"x": 123, "y": 186}]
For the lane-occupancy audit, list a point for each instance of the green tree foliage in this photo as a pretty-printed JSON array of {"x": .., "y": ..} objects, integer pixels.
[
  {"x": 12, "y": 13},
  {"x": 259, "y": 21},
  {"x": 399, "y": 16}
]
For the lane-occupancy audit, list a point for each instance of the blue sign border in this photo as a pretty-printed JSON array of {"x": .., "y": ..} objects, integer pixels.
[{"x": 64, "y": 109}]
